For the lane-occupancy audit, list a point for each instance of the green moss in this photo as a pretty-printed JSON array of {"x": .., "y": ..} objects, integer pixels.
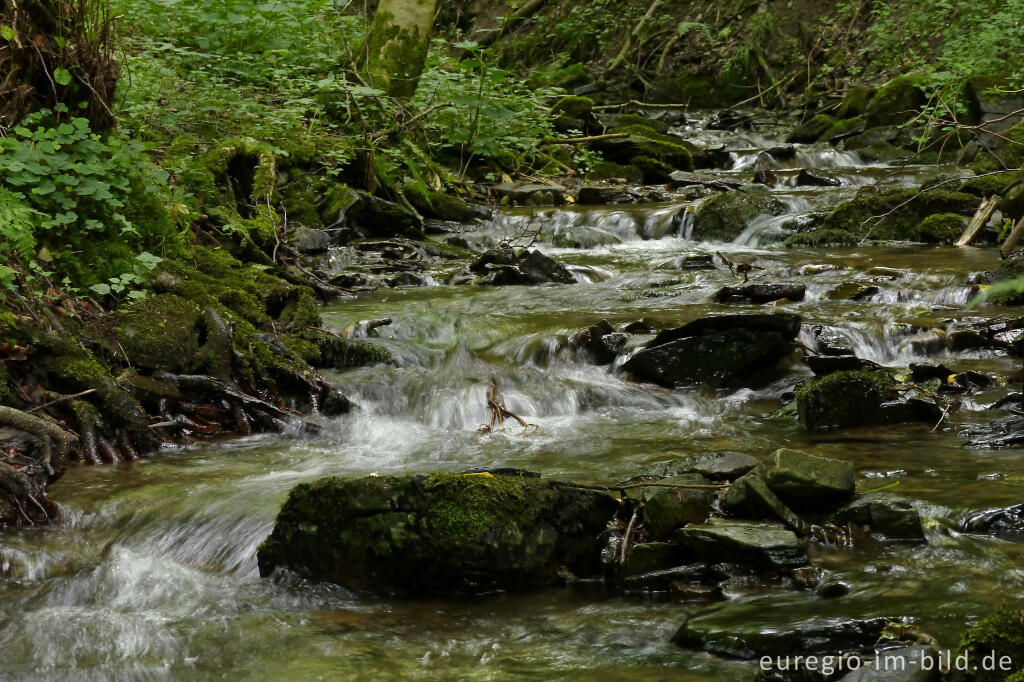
[
  {"x": 573, "y": 107},
  {"x": 1002, "y": 633},
  {"x": 339, "y": 353},
  {"x": 5, "y": 388},
  {"x": 608, "y": 170},
  {"x": 844, "y": 399},
  {"x": 619, "y": 122},
  {"x": 442, "y": 206},
  {"x": 821, "y": 238},
  {"x": 844, "y": 128},
  {"x": 898, "y": 101},
  {"x": 160, "y": 331},
  {"x": 902, "y": 210},
  {"x": 724, "y": 216},
  {"x": 471, "y": 505},
  {"x": 652, "y": 170},
  {"x": 812, "y": 130},
  {"x": 941, "y": 228},
  {"x": 989, "y": 185},
  {"x": 855, "y": 102}
]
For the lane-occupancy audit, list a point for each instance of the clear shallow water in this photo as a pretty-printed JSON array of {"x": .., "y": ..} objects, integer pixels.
[{"x": 153, "y": 574}]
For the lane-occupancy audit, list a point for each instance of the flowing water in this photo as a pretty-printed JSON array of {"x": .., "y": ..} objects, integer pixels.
[{"x": 153, "y": 573}]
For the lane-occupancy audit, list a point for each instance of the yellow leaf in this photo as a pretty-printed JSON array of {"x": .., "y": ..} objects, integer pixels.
[{"x": 483, "y": 474}]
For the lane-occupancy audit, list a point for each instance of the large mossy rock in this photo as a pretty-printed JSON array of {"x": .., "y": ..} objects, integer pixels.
[
  {"x": 1001, "y": 634},
  {"x": 904, "y": 211},
  {"x": 805, "y": 481},
  {"x": 655, "y": 154},
  {"x": 724, "y": 350},
  {"x": 812, "y": 130},
  {"x": 898, "y": 101},
  {"x": 1010, "y": 269},
  {"x": 724, "y": 217},
  {"x": 858, "y": 398},
  {"x": 443, "y": 532}
]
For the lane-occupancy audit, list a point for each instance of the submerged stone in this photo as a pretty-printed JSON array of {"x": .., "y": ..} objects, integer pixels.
[
  {"x": 833, "y": 636},
  {"x": 725, "y": 216},
  {"x": 462, "y": 532}
]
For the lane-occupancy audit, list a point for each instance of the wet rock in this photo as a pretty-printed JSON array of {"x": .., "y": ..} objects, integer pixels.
[
  {"x": 600, "y": 342},
  {"x": 782, "y": 153},
  {"x": 656, "y": 155},
  {"x": 886, "y": 514},
  {"x": 544, "y": 269},
  {"x": 713, "y": 157},
  {"x": 666, "y": 509},
  {"x": 1000, "y": 433},
  {"x": 1010, "y": 269},
  {"x": 309, "y": 241},
  {"x": 766, "y": 545},
  {"x": 812, "y": 130},
  {"x": 823, "y": 365},
  {"x": 766, "y": 177},
  {"x": 906, "y": 664},
  {"x": 506, "y": 276},
  {"x": 374, "y": 216},
  {"x": 663, "y": 580},
  {"x": 806, "y": 482},
  {"x": 529, "y": 194},
  {"x": 725, "y": 466},
  {"x": 852, "y": 291},
  {"x": 816, "y": 239},
  {"x": 725, "y": 216},
  {"x": 809, "y": 178},
  {"x": 926, "y": 343},
  {"x": 864, "y": 398},
  {"x": 903, "y": 211},
  {"x": 695, "y": 261},
  {"x": 604, "y": 196},
  {"x": 761, "y": 293},
  {"x": 898, "y": 101},
  {"x": 612, "y": 122},
  {"x": 582, "y": 237},
  {"x": 679, "y": 179},
  {"x": 649, "y": 557},
  {"x": 807, "y": 577},
  {"x": 407, "y": 279},
  {"x": 752, "y": 642},
  {"x": 751, "y": 498},
  {"x": 447, "y": 207},
  {"x": 643, "y": 326},
  {"x": 728, "y": 119},
  {"x": 922, "y": 372},
  {"x": 724, "y": 350},
  {"x": 414, "y": 534},
  {"x": 501, "y": 255},
  {"x": 690, "y": 592},
  {"x": 833, "y": 589},
  {"x": 1005, "y": 524}
]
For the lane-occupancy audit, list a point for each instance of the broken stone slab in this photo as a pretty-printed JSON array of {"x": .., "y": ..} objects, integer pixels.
[
  {"x": 888, "y": 515},
  {"x": 766, "y": 545},
  {"x": 725, "y": 466},
  {"x": 807, "y": 482},
  {"x": 750, "y": 497},
  {"x": 666, "y": 509}
]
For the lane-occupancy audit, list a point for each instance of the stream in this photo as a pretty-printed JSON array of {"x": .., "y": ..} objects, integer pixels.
[{"x": 152, "y": 574}]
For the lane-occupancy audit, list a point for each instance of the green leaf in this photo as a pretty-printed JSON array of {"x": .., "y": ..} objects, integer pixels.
[
  {"x": 101, "y": 289},
  {"x": 62, "y": 76},
  {"x": 8, "y": 33}
]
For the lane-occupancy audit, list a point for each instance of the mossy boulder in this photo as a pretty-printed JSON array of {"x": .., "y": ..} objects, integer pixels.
[
  {"x": 812, "y": 130},
  {"x": 898, "y": 101},
  {"x": 643, "y": 144},
  {"x": 1010, "y": 269},
  {"x": 724, "y": 350},
  {"x": 443, "y": 532},
  {"x": 804, "y": 481},
  {"x": 901, "y": 211},
  {"x": 941, "y": 228},
  {"x": 858, "y": 398},
  {"x": 158, "y": 332},
  {"x": 616, "y": 122},
  {"x": 990, "y": 185},
  {"x": 575, "y": 113},
  {"x": 999, "y": 634},
  {"x": 443, "y": 206},
  {"x": 855, "y": 101},
  {"x": 608, "y": 170},
  {"x": 816, "y": 239},
  {"x": 845, "y": 128},
  {"x": 725, "y": 216}
]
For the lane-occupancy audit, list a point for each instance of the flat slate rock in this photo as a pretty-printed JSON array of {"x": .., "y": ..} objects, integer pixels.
[{"x": 769, "y": 545}]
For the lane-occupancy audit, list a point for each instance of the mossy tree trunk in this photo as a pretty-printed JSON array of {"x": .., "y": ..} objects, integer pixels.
[{"x": 397, "y": 45}]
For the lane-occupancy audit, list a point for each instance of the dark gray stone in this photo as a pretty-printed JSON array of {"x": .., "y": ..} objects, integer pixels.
[
  {"x": 765, "y": 545},
  {"x": 761, "y": 293}
]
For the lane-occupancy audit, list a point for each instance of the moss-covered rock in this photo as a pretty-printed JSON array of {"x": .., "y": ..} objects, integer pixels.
[
  {"x": 159, "y": 332},
  {"x": 644, "y": 145},
  {"x": 845, "y": 128},
  {"x": 463, "y": 532},
  {"x": 616, "y": 122},
  {"x": 820, "y": 238},
  {"x": 858, "y": 398},
  {"x": 1010, "y": 269},
  {"x": 1001, "y": 634},
  {"x": 442, "y": 206},
  {"x": 608, "y": 170},
  {"x": 898, "y": 101},
  {"x": 575, "y": 113},
  {"x": 855, "y": 102},
  {"x": 990, "y": 185},
  {"x": 941, "y": 228},
  {"x": 812, "y": 130},
  {"x": 896, "y": 215},
  {"x": 725, "y": 216}
]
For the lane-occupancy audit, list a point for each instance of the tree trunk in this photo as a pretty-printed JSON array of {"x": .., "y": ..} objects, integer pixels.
[{"x": 396, "y": 47}]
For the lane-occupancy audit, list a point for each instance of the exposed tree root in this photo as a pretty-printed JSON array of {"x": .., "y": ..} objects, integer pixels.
[{"x": 499, "y": 412}]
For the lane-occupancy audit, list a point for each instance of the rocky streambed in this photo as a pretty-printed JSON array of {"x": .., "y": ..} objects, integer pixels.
[{"x": 643, "y": 334}]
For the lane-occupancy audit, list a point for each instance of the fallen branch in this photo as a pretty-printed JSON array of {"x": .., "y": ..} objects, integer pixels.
[
  {"x": 60, "y": 400},
  {"x": 629, "y": 531},
  {"x": 1013, "y": 240},
  {"x": 637, "y": 103},
  {"x": 980, "y": 219}
]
